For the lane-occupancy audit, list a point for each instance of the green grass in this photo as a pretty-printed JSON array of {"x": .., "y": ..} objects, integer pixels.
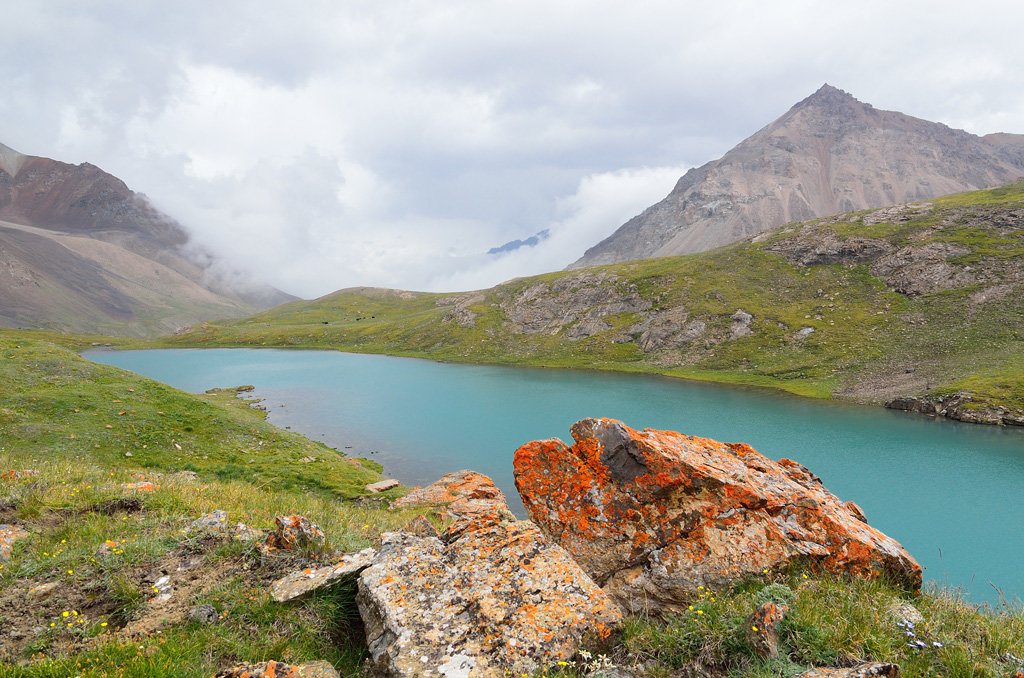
[
  {"x": 75, "y": 504},
  {"x": 61, "y": 416},
  {"x": 65, "y": 406},
  {"x": 832, "y": 622}
]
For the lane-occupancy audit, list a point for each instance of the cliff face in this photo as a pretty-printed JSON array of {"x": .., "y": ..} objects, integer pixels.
[
  {"x": 80, "y": 251},
  {"x": 828, "y": 154}
]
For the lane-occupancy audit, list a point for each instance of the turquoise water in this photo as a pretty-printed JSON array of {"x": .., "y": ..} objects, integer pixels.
[{"x": 951, "y": 493}]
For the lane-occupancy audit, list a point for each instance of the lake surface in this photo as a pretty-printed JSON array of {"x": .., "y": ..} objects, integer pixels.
[{"x": 951, "y": 493}]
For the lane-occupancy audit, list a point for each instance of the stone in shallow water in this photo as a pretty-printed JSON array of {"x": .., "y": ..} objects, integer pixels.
[
  {"x": 303, "y": 581},
  {"x": 492, "y": 596},
  {"x": 653, "y": 515}
]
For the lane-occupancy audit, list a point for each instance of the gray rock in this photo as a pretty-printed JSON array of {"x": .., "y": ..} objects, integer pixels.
[
  {"x": 382, "y": 485},
  {"x": 213, "y": 521},
  {"x": 8, "y": 535},
  {"x": 302, "y": 582},
  {"x": 37, "y": 593},
  {"x": 204, "y": 614},
  {"x": 741, "y": 324},
  {"x": 869, "y": 670}
]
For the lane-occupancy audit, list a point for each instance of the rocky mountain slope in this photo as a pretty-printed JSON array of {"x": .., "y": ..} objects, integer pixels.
[
  {"x": 828, "y": 154},
  {"x": 924, "y": 299},
  {"x": 80, "y": 251}
]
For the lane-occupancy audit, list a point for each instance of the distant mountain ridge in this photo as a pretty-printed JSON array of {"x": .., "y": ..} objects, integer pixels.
[
  {"x": 80, "y": 251},
  {"x": 828, "y": 154}
]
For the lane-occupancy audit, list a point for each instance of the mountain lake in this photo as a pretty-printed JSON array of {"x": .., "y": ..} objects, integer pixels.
[{"x": 951, "y": 493}]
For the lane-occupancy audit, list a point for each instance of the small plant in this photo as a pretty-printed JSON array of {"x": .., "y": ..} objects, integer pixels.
[
  {"x": 780, "y": 594},
  {"x": 128, "y": 599}
]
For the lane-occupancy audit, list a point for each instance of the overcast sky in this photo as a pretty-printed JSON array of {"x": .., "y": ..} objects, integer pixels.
[{"x": 323, "y": 145}]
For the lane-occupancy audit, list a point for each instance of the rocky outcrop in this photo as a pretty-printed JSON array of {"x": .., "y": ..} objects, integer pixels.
[
  {"x": 654, "y": 515},
  {"x": 581, "y": 300},
  {"x": 828, "y": 248},
  {"x": 493, "y": 595},
  {"x": 925, "y": 269},
  {"x": 463, "y": 494},
  {"x": 460, "y": 312},
  {"x": 828, "y": 154},
  {"x": 961, "y": 406}
]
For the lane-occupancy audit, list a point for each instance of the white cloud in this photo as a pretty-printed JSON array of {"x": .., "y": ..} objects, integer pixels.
[{"x": 330, "y": 144}]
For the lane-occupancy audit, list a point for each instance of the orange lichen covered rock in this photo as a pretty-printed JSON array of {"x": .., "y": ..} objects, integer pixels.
[
  {"x": 141, "y": 486},
  {"x": 870, "y": 670},
  {"x": 296, "y": 532},
  {"x": 273, "y": 669},
  {"x": 465, "y": 494},
  {"x": 762, "y": 629},
  {"x": 8, "y": 535},
  {"x": 491, "y": 596},
  {"x": 653, "y": 515}
]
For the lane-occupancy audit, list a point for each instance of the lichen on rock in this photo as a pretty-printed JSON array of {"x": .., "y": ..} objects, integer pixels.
[
  {"x": 463, "y": 494},
  {"x": 654, "y": 515},
  {"x": 492, "y": 595}
]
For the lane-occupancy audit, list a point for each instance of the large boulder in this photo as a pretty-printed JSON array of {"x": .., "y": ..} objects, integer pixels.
[
  {"x": 654, "y": 515},
  {"x": 490, "y": 596}
]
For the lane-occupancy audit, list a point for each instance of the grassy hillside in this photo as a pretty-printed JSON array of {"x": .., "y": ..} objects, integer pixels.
[
  {"x": 925, "y": 299},
  {"x": 102, "y": 546}
]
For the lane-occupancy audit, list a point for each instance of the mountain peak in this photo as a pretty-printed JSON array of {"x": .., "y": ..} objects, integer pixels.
[
  {"x": 828, "y": 154},
  {"x": 828, "y": 96}
]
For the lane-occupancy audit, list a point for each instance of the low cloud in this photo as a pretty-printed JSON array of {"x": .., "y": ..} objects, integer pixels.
[{"x": 334, "y": 144}]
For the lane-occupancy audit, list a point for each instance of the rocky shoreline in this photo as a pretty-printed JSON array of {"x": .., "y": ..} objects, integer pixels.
[{"x": 960, "y": 407}]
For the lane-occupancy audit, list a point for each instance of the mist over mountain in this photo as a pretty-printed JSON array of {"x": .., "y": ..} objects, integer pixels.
[
  {"x": 80, "y": 251},
  {"x": 828, "y": 154}
]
